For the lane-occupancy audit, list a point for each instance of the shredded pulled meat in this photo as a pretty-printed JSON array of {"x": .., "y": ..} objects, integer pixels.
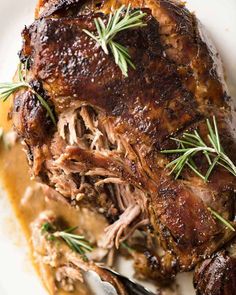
[{"x": 82, "y": 181}]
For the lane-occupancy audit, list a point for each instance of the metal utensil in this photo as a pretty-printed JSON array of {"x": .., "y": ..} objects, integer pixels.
[{"x": 99, "y": 287}]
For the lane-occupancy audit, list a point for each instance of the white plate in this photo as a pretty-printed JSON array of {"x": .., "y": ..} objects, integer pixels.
[{"x": 16, "y": 273}]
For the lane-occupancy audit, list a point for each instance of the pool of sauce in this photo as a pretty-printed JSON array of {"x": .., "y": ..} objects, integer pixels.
[{"x": 15, "y": 179}]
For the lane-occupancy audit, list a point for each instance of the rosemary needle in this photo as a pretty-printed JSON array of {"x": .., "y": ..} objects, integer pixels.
[
  {"x": 221, "y": 219},
  {"x": 117, "y": 22},
  {"x": 127, "y": 247},
  {"x": 7, "y": 89}
]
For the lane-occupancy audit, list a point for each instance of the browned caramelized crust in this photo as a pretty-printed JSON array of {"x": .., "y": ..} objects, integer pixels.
[
  {"x": 216, "y": 276},
  {"x": 105, "y": 152}
]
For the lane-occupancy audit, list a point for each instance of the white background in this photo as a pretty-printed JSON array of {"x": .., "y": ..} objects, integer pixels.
[{"x": 16, "y": 273}]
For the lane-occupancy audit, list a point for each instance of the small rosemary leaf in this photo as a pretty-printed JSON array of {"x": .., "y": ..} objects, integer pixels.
[
  {"x": 46, "y": 106},
  {"x": 71, "y": 229},
  {"x": 101, "y": 24},
  {"x": 190, "y": 143},
  {"x": 217, "y": 134},
  {"x": 207, "y": 157},
  {"x": 123, "y": 65},
  {"x": 178, "y": 171},
  {"x": 190, "y": 135},
  {"x": 135, "y": 20},
  {"x": 196, "y": 171},
  {"x": 177, "y": 151},
  {"x": 230, "y": 164},
  {"x": 97, "y": 24},
  {"x": 109, "y": 23},
  {"x": 129, "y": 62},
  {"x": 7, "y": 85},
  {"x": 4, "y": 87},
  {"x": 220, "y": 218},
  {"x": 26, "y": 67},
  {"x": 6, "y": 96},
  {"x": 172, "y": 162},
  {"x": 20, "y": 74},
  {"x": 180, "y": 165},
  {"x": 118, "y": 49},
  {"x": 211, "y": 135},
  {"x": 198, "y": 138},
  {"x": 193, "y": 139},
  {"x": 226, "y": 167},
  {"x": 115, "y": 52},
  {"x": 211, "y": 167},
  {"x": 201, "y": 141},
  {"x": 85, "y": 246},
  {"x": 209, "y": 127},
  {"x": 117, "y": 16},
  {"x": 231, "y": 168},
  {"x": 133, "y": 26},
  {"x": 212, "y": 142},
  {"x": 7, "y": 89},
  {"x": 192, "y": 163},
  {"x": 175, "y": 163},
  {"x": 73, "y": 236},
  {"x": 127, "y": 10},
  {"x": 74, "y": 246},
  {"x": 127, "y": 247},
  {"x": 121, "y": 48},
  {"x": 47, "y": 227}
]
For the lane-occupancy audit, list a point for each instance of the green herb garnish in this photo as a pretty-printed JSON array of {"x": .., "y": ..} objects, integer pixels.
[
  {"x": 7, "y": 89},
  {"x": 192, "y": 144},
  {"x": 47, "y": 227},
  {"x": 117, "y": 22},
  {"x": 127, "y": 247},
  {"x": 76, "y": 242},
  {"x": 221, "y": 219}
]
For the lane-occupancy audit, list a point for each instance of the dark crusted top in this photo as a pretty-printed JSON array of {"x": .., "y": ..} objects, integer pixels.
[{"x": 154, "y": 99}]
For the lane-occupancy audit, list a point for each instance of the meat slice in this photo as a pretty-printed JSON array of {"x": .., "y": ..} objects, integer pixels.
[{"x": 106, "y": 150}]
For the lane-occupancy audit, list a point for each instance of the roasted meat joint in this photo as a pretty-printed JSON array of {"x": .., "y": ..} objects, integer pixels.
[{"x": 127, "y": 124}]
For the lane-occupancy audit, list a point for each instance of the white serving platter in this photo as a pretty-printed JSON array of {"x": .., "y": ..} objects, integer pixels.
[{"x": 17, "y": 275}]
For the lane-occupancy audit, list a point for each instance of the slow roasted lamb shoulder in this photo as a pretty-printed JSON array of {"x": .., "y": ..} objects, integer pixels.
[{"x": 105, "y": 150}]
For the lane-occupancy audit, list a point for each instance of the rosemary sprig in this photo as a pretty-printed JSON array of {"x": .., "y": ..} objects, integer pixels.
[
  {"x": 192, "y": 144},
  {"x": 76, "y": 242},
  {"x": 221, "y": 219},
  {"x": 117, "y": 22},
  {"x": 7, "y": 89}
]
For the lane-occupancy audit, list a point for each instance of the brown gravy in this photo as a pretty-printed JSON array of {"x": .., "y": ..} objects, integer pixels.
[{"x": 15, "y": 179}]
